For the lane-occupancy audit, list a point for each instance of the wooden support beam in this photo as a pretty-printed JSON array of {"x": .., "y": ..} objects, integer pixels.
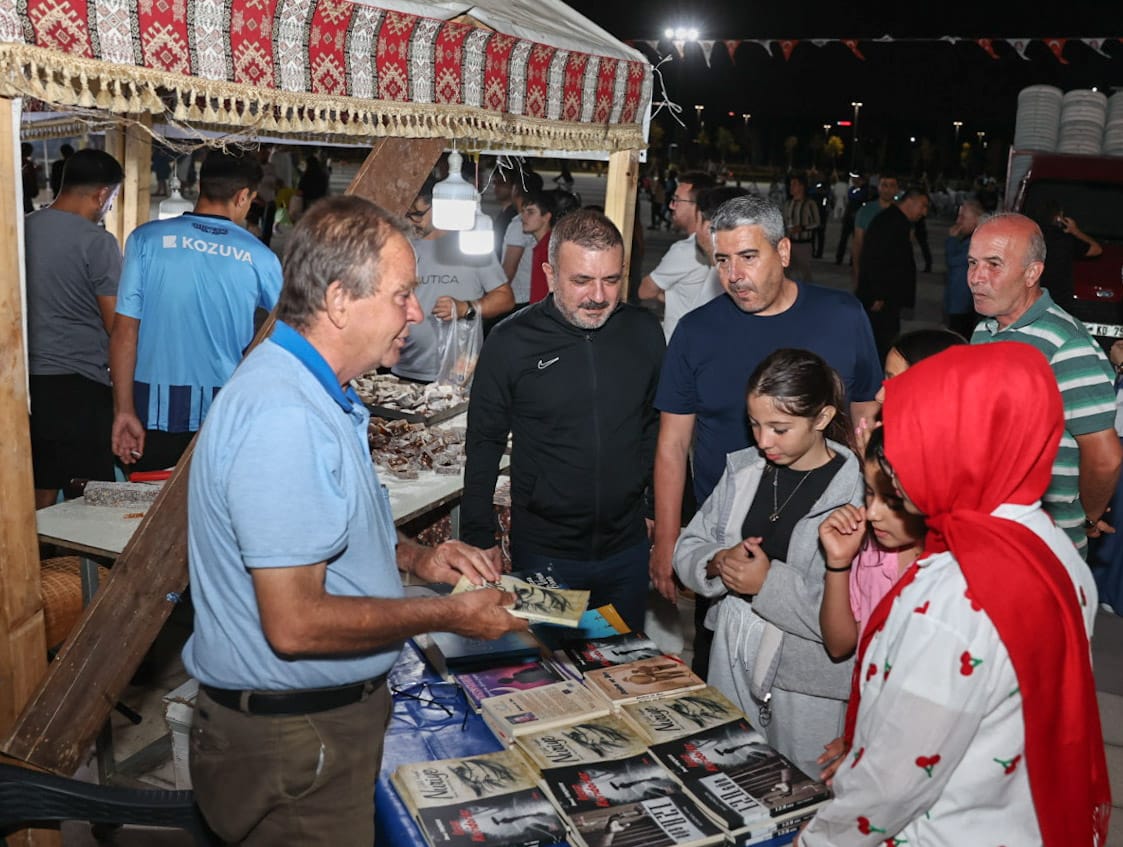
[
  {"x": 136, "y": 191},
  {"x": 620, "y": 201},
  {"x": 131, "y": 145},
  {"x": 23, "y": 649},
  {"x": 23, "y": 652},
  {"x": 394, "y": 170},
  {"x": 102, "y": 654}
]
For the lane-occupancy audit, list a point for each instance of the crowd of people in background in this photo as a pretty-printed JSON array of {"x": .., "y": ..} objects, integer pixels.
[{"x": 885, "y": 534}]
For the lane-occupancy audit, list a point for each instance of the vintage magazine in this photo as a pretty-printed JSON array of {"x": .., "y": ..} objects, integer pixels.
[
  {"x": 592, "y": 653},
  {"x": 670, "y": 821},
  {"x": 679, "y": 715},
  {"x": 537, "y": 603},
  {"x": 541, "y": 708},
  {"x": 613, "y": 782},
  {"x": 492, "y": 799},
  {"x": 646, "y": 679},
  {"x": 480, "y": 684},
  {"x": 736, "y": 776},
  {"x": 582, "y": 742}
]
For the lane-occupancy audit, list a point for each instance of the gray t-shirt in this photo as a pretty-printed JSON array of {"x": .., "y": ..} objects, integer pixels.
[
  {"x": 515, "y": 237},
  {"x": 70, "y": 263},
  {"x": 442, "y": 270}
]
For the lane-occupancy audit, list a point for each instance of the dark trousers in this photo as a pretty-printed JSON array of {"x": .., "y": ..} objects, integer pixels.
[
  {"x": 290, "y": 779},
  {"x": 847, "y": 231},
  {"x": 886, "y": 326},
  {"x": 161, "y": 450},
  {"x": 621, "y": 579}
]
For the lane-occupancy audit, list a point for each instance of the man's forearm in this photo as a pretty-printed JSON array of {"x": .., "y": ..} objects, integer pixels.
[
  {"x": 122, "y": 363},
  {"x": 1099, "y": 473},
  {"x": 670, "y": 481},
  {"x": 497, "y": 302}
]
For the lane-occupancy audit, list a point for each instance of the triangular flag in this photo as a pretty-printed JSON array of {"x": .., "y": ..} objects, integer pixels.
[
  {"x": 653, "y": 44},
  {"x": 821, "y": 42},
  {"x": 731, "y": 46},
  {"x": 787, "y": 45},
  {"x": 885, "y": 38},
  {"x": 950, "y": 39},
  {"x": 707, "y": 49},
  {"x": 1097, "y": 45},
  {"x": 988, "y": 46},
  {"x": 680, "y": 45},
  {"x": 1020, "y": 45},
  {"x": 852, "y": 43},
  {"x": 1057, "y": 45}
]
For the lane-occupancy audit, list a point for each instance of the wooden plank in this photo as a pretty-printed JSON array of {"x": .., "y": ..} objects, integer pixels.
[
  {"x": 102, "y": 654},
  {"x": 115, "y": 219},
  {"x": 23, "y": 649},
  {"x": 23, "y": 652},
  {"x": 620, "y": 200},
  {"x": 394, "y": 171},
  {"x": 135, "y": 193}
]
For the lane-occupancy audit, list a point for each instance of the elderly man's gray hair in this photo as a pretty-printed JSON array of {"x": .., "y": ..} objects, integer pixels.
[{"x": 750, "y": 210}]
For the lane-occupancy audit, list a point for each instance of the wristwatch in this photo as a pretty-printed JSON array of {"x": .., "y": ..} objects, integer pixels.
[
  {"x": 1089, "y": 523},
  {"x": 470, "y": 312}
]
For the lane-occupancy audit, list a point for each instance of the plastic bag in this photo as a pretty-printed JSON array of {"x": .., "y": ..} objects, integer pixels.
[{"x": 458, "y": 348}]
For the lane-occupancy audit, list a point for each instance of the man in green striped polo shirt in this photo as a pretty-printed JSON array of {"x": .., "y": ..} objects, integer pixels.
[{"x": 1004, "y": 266}]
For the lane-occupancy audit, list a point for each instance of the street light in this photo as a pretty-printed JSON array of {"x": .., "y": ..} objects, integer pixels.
[
  {"x": 982, "y": 138},
  {"x": 681, "y": 33},
  {"x": 698, "y": 109},
  {"x": 826, "y": 130},
  {"x": 745, "y": 117},
  {"x": 957, "y": 125},
  {"x": 857, "y": 104}
]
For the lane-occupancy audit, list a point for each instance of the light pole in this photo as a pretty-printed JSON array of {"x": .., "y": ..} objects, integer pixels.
[
  {"x": 857, "y": 104},
  {"x": 698, "y": 109},
  {"x": 958, "y": 125}
]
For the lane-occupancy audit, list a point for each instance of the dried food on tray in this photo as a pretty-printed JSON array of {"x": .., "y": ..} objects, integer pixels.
[
  {"x": 388, "y": 396},
  {"x": 404, "y": 449}
]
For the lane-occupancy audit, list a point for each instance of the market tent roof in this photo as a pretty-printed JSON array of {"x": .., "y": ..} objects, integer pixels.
[{"x": 338, "y": 69}]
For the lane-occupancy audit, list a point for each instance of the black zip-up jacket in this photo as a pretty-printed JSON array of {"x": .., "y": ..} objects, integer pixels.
[{"x": 579, "y": 405}]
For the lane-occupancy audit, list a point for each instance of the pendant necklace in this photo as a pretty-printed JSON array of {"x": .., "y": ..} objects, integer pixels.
[{"x": 776, "y": 509}]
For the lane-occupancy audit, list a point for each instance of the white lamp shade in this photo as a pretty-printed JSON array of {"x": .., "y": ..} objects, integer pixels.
[
  {"x": 176, "y": 204},
  {"x": 480, "y": 239},
  {"x": 454, "y": 199}
]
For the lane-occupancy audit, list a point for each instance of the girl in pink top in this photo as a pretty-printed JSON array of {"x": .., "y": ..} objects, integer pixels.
[{"x": 867, "y": 549}]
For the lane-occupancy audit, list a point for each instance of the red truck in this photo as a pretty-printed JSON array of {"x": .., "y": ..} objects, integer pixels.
[{"x": 1090, "y": 190}]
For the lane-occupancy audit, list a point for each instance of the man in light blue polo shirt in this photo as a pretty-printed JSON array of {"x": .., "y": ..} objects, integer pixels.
[
  {"x": 185, "y": 310},
  {"x": 298, "y": 602}
]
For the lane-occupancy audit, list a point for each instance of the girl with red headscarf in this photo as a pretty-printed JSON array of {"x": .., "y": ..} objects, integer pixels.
[{"x": 973, "y": 716}]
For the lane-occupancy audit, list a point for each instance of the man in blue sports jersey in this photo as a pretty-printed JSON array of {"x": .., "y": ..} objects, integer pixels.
[{"x": 185, "y": 310}]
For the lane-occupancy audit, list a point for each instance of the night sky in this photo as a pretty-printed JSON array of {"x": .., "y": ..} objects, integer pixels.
[{"x": 907, "y": 88}]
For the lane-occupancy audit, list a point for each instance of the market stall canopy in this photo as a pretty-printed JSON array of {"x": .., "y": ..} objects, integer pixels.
[{"x": 336, "y": 69}]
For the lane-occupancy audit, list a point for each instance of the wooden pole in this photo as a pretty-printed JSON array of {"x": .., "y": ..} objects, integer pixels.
[
  {"x": 131, "y": 145},
  {"x": 107, "y": 645},
  {"x": 23, "y": 648},
  {"x": 620, "y": 200}
]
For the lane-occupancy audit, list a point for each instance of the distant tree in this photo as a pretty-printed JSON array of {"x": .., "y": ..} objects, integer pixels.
[
  {"x": 790, "y": 145},
  {"x": 835, "y": 148},
  {"x": 727, "y": 144}
]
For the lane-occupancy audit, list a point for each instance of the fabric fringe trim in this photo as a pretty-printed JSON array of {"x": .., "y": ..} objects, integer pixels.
[{"x": 61, "y": 80}]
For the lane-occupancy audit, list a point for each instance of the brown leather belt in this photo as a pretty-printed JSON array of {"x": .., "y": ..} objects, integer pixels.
[{"x": 300, "y": 702}]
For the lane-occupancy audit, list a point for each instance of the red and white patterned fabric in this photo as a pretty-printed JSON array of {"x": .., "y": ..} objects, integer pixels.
[{"x": 332, "y": 48}]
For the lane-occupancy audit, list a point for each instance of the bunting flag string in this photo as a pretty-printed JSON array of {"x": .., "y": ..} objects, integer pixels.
[{"x": 788, "y": 45}]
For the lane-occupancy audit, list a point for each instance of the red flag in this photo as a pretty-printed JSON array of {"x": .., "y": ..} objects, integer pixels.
[
  {"x": 787, "y": 46},
  {"x": 1057, "y": 45},
  {"x": 731, "y": 46},
  {"x": 988, "y": 46},
  {"x": 852, "y": 43}
]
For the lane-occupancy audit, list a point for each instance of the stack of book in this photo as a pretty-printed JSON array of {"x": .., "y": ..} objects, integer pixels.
[{"x": 493, "y": 800}]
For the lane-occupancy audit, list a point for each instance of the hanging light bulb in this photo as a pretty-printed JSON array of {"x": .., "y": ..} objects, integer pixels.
[
  {"x": 176, "y": 204},
  {"x": 454, "y": 199},
  {"x": 480, "y": 239}
]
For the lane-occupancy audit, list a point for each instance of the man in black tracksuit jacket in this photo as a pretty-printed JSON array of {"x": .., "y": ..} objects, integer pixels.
[{"x": 573, "y": 379}]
